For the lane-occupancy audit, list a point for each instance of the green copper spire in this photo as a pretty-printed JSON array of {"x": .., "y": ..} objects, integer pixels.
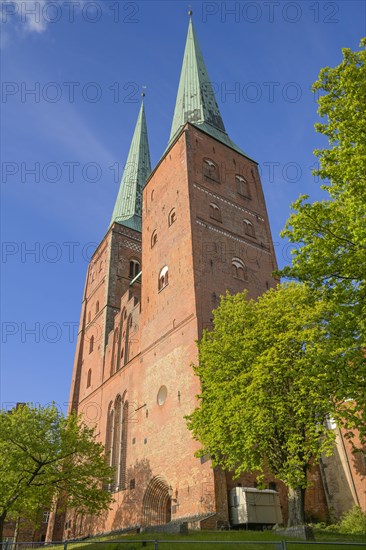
[
  {"x": 128, "y": 208},
  {"x": 196, "y": 101}
]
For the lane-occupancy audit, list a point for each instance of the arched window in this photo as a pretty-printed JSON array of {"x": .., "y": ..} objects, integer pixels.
[
  {"x": 239, "y": 270},
  {"x": 249, "y": 228},
  {"x": 116, "y": 442},
  {"x": 210, "y": 170},
  {"x": 122, "y": 475},
  {"x": 163, "y": 278},
  {"x": 109, "y": 438},
  {"x": 242, "y": 186},
  {"x": 215, "y": 212},
  {"x": 91, "y": 344},
  {"x": 97, "y": 307},
  {"x": 100, "y": 266},
  {"x": 117, "y": 437},
  {"x": 172, "y": 217},
  {"x": 154, "y": 239},
  {"x": 89, "y": 316},
  {"x": 88, "y": 379},
  {"x": 152, "y": 194},
  {"x": 134, "y": 269}
]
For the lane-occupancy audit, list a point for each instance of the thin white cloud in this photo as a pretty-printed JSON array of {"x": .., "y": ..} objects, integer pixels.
[
  {"x": 32, "y": 15},
  {"x": 28, "y": 15},
  {"x": 25, "y": 17}
]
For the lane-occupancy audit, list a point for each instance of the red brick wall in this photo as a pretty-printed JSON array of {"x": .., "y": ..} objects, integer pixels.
[
  {"x": 163, "y": 325},
  {"x": 357, "y": 465},
  {"x": 107, "y": 280}
]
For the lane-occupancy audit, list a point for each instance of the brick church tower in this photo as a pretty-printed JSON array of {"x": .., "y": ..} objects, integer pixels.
[{"x": 180, "y": 236}]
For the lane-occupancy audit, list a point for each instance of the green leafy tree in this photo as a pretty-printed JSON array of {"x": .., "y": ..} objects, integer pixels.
[
  {"x": 272, "y": 371},
  {"x": 268, "y": 386},
  {"x": 331, "y": 234},
  {"x": 43, "y": 455}
]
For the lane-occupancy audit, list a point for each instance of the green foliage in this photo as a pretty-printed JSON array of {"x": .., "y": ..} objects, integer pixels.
[
  {"x": 268, "y": 385},
  {"x": 332, "y": 233},
  {"x": 43, "y": 454},
  {"x": 272, "y": 371},
  {"x": 353, "y": 522}
]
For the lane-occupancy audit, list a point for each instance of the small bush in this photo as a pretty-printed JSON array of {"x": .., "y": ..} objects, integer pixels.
[{"x": 353, "y": 522}]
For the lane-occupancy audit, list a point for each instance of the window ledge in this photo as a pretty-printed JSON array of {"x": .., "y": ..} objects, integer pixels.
[
  {"x": 211, "y": 179},
  {"x": 161, "y": 289},
  {"x": 244, "y": 196}
]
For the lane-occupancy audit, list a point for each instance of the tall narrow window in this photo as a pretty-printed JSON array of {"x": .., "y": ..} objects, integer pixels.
[
  {"x": 242, "y": 186},
  {"x": 249, "y": 228},
  {"x": 89, "y": 316},
  {"x": 88, "y": 379},
  {"x": 91, "y": 344},
  {"x": 172, "y": 217},
  {"x": 154, "y": 239},
  {"x": 117, "y": 439},
  {"x": 97, "y": 307},
  {"x": 215, "y": 212},
  {"x": 163, "y": 278},
  {"x": 134, "y": 269},
  {"x": 123, "y": 456},
  {"x": 109, "y": 438},
  {"x": 116, "y": 442},
  {"x": 210, "y": 170},
  {"x": 239, "y": 270}
]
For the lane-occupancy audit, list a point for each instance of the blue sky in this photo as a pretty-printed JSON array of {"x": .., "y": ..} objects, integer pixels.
[{"x": 86, "y": 64}]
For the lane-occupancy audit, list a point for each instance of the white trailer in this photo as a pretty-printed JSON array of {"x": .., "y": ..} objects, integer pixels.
[{"x": 249, "y": 506}]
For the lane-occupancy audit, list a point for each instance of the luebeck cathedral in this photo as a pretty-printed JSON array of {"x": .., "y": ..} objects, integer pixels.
[{"x": 180, "y": 236}]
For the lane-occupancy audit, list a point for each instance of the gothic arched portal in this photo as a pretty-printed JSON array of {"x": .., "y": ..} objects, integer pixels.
[{"x": 156, "y": 504}]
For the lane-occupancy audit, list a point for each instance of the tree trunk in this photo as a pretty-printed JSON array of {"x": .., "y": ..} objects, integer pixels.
[
  {"x": 16, "y": 533},
  {"x": 16, "y": 530},
  {"x": 296, "y": 507}
]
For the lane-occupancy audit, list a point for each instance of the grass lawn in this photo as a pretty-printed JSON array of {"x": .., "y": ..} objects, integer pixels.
[{"x": 260, "y": 541}]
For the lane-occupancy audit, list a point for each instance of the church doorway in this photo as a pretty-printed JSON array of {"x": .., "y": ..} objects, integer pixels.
[{"x": 157, "y": 503}]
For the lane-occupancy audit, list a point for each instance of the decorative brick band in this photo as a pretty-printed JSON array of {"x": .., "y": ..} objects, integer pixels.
[
  {"x": 230, "y": 235},
  {"x": 226, "y": 201}
]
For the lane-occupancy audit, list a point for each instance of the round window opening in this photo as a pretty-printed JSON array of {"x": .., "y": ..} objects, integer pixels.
[{"x": 162, "y": 395}]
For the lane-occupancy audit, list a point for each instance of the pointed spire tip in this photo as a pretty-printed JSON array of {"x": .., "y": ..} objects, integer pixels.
[
  {"x": 127, "y": 209},
  {"x": 196, "y": 102}
]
